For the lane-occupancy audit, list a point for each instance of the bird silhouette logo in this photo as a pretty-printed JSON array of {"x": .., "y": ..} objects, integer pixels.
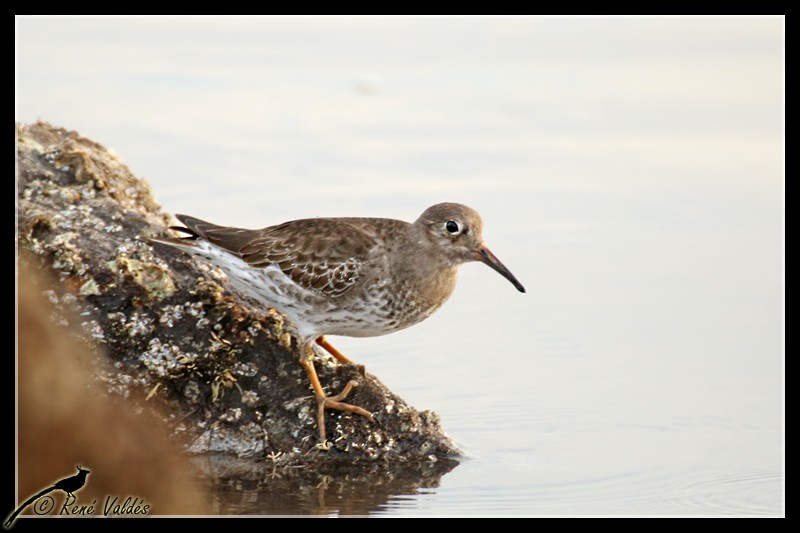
[{"x": 69, "y": 485}]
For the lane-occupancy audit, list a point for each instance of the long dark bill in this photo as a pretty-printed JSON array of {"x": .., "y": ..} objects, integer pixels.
[{"x": 484, "y": 255}]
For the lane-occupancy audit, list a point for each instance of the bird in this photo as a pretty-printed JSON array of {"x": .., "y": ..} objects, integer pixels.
[
  {"x": 69, "y": 485},
  {"x": 357, "y": 277}
]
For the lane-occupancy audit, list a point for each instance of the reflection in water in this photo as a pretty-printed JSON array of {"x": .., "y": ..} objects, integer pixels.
[{"x": 254, "y": 487}]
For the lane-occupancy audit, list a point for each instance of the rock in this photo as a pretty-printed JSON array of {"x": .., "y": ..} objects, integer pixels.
[
  {"x": 177, "y": 336},
  {"x": 65, "y": 419}
]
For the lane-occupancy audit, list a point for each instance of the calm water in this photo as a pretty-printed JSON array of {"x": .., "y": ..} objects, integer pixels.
[{"x": 630, "y": 173}]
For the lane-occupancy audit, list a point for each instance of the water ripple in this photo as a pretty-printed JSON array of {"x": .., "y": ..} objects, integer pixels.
[{"x": 748, "y": 493}]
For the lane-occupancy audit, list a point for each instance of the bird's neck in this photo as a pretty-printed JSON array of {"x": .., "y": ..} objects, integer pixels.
[{"x": 435, "y": 275}]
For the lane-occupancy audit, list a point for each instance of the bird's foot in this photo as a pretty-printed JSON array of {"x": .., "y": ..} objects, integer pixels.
[
  {"x": 330, "y": 402},
  {"x": 335, "y": 402}
]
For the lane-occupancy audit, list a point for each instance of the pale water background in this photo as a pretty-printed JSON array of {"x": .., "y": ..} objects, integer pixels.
[{"x": 630, "y": 172}]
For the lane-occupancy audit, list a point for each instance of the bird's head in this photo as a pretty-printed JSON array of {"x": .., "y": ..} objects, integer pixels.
[{"x": 456, "y": 230}]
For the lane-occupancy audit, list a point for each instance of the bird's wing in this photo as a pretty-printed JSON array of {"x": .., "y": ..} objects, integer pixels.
[{"x": 321, "y": 255}]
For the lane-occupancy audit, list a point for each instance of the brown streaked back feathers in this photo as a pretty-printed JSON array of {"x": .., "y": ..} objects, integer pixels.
[{"x": 315, "y": 253}]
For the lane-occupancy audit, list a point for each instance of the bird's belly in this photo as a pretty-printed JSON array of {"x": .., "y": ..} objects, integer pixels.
[{"x": 378, "y": 312}]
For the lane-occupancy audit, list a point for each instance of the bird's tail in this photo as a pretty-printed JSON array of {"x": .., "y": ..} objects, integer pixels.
[
  {"x": 188, "y": 242},
  {"x": 199, "y": 233}
]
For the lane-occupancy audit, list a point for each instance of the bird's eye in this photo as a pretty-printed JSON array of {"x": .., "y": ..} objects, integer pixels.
[{"x": 452, "y": 227}]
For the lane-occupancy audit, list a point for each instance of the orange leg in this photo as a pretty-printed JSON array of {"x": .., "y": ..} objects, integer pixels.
[
  {"x": 322, "y": 341},
  {"x": 330, "y": 402}
]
